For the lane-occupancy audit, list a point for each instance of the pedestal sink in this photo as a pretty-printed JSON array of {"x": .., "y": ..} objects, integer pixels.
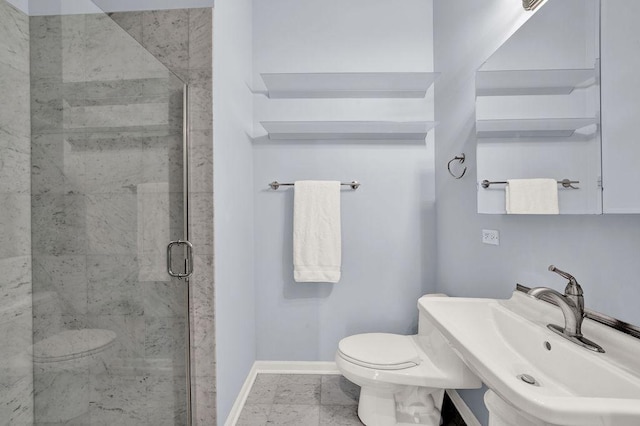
[{"x": 536, "y": 372}]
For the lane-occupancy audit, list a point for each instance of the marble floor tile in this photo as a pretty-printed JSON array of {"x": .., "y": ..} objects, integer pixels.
[
  {"x": 294, "y": 415},
  {"x": 263, "y": 390},
  {"x": 297, "y": 394},
  {"x": 337, "y": 390},
  {"x": 339, "y": 415},
  {"x": 336, "y": 407},
  {"x": 254, "y": 415}
]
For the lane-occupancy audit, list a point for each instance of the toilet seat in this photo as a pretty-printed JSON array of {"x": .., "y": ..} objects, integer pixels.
[
  {"x": 72, "y": 344},
  {"x": 381, "y": 351}
]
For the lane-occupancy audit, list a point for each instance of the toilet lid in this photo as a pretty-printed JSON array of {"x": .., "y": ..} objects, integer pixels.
[
  {"x": 71, "y": 344},
  {"x": 380, "y": 350}
]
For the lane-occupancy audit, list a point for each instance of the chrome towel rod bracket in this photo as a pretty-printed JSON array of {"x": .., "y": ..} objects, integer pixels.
[
  {"x": 566, "y": 183},
  {"x": 275, "y": 184}
]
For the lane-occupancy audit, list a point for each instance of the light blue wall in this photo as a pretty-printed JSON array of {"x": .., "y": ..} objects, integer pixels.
[
  {"x": 601, "y": 251},
  {"x": 388, "y": 228},
  {"x": 233, "y": 200}
]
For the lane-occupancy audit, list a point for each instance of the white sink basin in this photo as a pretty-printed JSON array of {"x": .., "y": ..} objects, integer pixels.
[{"x": 502, "y": 339}]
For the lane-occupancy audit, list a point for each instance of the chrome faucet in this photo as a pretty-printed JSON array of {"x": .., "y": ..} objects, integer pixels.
[{"x": 572, "y": 305}]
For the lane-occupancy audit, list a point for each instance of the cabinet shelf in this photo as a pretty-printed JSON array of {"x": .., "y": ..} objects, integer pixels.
[
  {"x": 533, "y": 82},
  {"x": 348, "y": 130},
  {"x": 535, "y": 128},
  {"x": 348, "y": 85}
]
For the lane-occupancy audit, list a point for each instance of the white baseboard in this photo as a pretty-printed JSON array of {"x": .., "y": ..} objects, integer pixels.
[
  {"x": 296, "y": 367},
  {"x": 465, "y": 412},
  {"x": 276, "y": 367}
]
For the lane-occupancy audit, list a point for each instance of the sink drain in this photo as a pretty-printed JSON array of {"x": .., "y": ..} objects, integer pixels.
[{"x": 530, "y": 380}]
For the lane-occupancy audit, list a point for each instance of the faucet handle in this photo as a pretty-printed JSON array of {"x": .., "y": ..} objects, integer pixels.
[{"x": 573, "y": 288}]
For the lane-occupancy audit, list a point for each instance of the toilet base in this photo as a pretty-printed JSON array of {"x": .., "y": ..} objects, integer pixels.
[{"x": 399, "y": 405}]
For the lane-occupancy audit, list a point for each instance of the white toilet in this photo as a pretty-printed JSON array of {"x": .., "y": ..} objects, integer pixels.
[{"x": 402, "y": 378}]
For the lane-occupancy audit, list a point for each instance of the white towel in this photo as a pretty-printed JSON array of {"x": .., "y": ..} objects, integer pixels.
[
  {"x": 532, "y": 196},
  {"x": 317, "y": 248}
]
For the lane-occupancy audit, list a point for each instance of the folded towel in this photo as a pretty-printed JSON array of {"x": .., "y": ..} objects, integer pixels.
[
  {"x": 317, "y": 249},
  {"x": 532, "y": 196}
]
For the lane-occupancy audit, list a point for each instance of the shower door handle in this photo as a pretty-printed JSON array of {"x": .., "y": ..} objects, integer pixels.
[{"x": 188, "y": 260}]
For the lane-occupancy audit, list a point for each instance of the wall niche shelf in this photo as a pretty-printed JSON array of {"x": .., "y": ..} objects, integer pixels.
[
  {"x": 535, "y": 128},
  {"x": 348, "y": 85},
  {"x": 533, "y": 82},
  {"x": 348, "y": 130}
]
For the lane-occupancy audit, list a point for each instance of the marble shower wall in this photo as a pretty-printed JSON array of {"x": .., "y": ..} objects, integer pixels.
[
  {"x": 16, "y": 382},
  {"x": 106, "y": 138}
]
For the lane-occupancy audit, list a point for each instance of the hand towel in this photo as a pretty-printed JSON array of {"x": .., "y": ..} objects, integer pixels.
[
  {"x": 532, "y": 196},
  {"x": 317, "y": 246}
]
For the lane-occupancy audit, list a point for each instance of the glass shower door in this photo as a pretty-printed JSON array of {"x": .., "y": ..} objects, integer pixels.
[{"x": 110, "y": 327}]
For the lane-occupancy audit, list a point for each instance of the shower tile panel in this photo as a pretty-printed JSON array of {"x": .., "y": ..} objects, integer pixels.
[
  {"x": 200, "y": 53},
  {"x": 15, "y": 225},
  {"x": 131, "y": 22},
  {"x": 165, "y": 338},
  {"x": 14, "y": 115},
  {"x": 163, "y": 299},
  {"x": 115, "y": 400},
  {"x": 164, "y": 393},
  {"x": 14, "y": 38},
  {"x": 112, "y": 225},
  {"x": 201, "y": 220},
  {"x": 201, "y": 161},
  {"x": 126, "y": 115},
  {"x": 59, "y": 224},
  {"x": 56, "y": 165},
  {"x": 112, "y": 286},
  {"x": 131, "y": 334},
  {"x": 110, "y": 54},
  {"x": 46, "y": 42},
  {"x": 205, "y": 401},
  {"x": 113, "y": 163},
  {"x": 162, "y": 161},
  {"x": 16, "y": 288},
  {"x": 64, "y": 275},
  {"x": 203, "y": 346},
  {"x": 202, "y": 297},
  {"x": 15, "y": 164},
  {"x": 17, "y": 409},
  {"x": 166, "y": 34},
  {"x": 117, "y": 89}
]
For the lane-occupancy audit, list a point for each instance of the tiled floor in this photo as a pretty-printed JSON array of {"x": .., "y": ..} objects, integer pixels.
[{"x": 307, "y": 400}]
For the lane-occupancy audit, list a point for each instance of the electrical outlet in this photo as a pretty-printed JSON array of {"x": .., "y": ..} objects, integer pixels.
[{"x": 491, "y": 236}]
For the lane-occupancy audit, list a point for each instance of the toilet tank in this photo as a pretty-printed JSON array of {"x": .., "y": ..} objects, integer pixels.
[{"x": 443, "y": 355}]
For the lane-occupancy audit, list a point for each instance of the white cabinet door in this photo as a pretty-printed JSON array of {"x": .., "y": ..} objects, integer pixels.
[{"x": 621, "y": 105}]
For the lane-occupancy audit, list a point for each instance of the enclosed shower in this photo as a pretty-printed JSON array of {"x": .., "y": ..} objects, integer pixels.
[{"x": 105, "y": 151}]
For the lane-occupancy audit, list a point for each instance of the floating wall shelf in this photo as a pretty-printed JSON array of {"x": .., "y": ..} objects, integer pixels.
[
  {"x": 348, "y": 85},
  {"x": 533, "y": 82},
  {"x": 534, "y": 128},
  {"x": 348, "y": 130}
]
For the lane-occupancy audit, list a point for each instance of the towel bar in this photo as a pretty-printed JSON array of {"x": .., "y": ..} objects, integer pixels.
[
  {"x": 566, "y": 183},
  {"x": 275, "y": 184}
]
